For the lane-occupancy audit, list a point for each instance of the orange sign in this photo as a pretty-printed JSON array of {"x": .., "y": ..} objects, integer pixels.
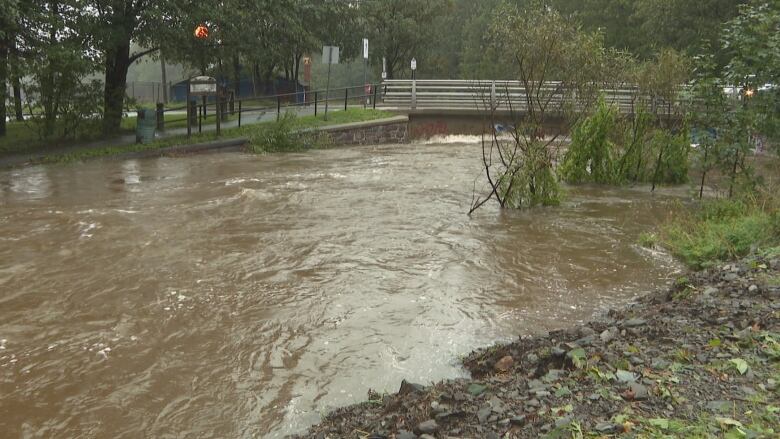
[{"x": 201, "y": 32}]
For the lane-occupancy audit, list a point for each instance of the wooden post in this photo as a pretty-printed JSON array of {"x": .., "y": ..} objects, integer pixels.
[
  {"x": 346, "y": 99},
  {"x": 200, "y": 118},
  {"x": 278, "y": 108},
  {"x": 219, "y": 115},
  {"x": 239, "y": 113},
  {"x": 160, "y": 117},
  {"x": 375, "y": 94},
  {"x": 316, "y": 102},
  {"x": 189, "y": 111}
]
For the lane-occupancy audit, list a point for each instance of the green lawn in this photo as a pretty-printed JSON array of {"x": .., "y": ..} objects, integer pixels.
[{"x": 266, "y": 136}]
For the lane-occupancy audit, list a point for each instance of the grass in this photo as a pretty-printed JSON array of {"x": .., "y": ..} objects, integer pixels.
[
  {"x": 264, "y": 137},
  {"x": 21, "y": 137},
  {"x": 721, "y": 230}
]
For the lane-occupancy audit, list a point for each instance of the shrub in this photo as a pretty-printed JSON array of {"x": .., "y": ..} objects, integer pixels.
[
  {"x": 590, "y": 158},
  {"x": 722, "y": 230}
]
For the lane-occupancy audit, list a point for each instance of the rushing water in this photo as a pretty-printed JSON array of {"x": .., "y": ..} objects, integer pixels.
[{"x": 242, "y": 296}]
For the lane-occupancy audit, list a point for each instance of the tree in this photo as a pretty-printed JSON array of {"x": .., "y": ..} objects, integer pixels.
[
  {"x": 8, "y": 18},
  {"x": 399, "y": 30},
  {"x": 114, "y": 25},
  {"x": 560, "y": 71}
]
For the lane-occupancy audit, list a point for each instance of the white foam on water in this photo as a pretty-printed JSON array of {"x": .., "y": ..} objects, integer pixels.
[{"x": 453, "y": 139}]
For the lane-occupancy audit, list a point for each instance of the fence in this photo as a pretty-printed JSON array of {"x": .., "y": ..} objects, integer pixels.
[{"x": 204, "y": 111}]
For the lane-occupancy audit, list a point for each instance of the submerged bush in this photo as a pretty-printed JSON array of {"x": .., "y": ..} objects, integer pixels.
[
  {"x": 590, "y": 158},
  {"x": 606, "y": 149}
]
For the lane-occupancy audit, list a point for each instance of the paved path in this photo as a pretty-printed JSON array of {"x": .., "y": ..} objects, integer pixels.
[{"x": 247, "y": 118}]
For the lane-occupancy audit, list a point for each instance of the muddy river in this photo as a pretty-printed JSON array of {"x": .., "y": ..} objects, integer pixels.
[{"x": 238, "y": 296}]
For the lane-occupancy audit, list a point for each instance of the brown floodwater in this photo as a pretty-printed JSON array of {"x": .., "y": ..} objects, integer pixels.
[{"x": 237, "y": 296}]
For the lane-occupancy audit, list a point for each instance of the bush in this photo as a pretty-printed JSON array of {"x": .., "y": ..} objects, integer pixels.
[
  {"x": 590, "y": 158},
  {"x": 275, "y": 137},
  {"x": 721, "y": 230}
]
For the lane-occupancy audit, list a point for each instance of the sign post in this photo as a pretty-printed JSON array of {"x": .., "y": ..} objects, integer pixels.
[
  {"x": 414, "y": 83},
  {"x": 204, "y": 86},
  {"x": 365, "y": 68},
  {"x": 330, "y": 56},
  {"x": 384, "y": 68}
]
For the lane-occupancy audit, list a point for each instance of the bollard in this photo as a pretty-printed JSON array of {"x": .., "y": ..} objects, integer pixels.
[
  {"x": 316, "y": 101},
  {"x": 346, "y": 99},
  {"x": 375, "y": 93},
  {"x": 239, "y": 113}
]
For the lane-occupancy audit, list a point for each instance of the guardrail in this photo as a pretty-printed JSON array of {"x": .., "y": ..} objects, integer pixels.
[{"x": 503, "y": 96}]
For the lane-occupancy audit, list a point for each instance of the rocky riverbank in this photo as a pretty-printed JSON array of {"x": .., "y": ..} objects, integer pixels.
[{"x": 700, "y": 359}]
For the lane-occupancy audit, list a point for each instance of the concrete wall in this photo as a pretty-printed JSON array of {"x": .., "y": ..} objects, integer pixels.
[{"x": 380, "y": 132}]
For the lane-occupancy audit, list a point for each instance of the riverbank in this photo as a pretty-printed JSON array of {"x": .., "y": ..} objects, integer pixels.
[
  {"x": 261, "y": 136},
  {"x": 699, "y": 359}
]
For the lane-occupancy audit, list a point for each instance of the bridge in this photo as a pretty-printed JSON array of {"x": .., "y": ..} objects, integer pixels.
[{"x": 446, "y": 107}]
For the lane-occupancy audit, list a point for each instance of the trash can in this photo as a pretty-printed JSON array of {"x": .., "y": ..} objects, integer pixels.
[{"x": 146, "y": 125}]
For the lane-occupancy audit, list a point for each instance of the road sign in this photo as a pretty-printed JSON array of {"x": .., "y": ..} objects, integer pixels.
[
  {"x": 414, "y": 63},
  {"x": 384, "y": 68},
  {"x": 330, "y": 55},
  {"x": 203, "y": 86},
  {"x": 365, "y": 48}
]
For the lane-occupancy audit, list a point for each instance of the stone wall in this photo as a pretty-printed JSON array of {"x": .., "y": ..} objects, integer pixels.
[{"x": 381, "y": 132}]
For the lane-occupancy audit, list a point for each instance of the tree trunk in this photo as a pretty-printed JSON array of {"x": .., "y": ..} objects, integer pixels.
[
  {"x": 117, "y": 64},
  {"x": 164, "y": 79},
  {"x": 237, "y": 77},
  {"x": 3, "y": 87}
]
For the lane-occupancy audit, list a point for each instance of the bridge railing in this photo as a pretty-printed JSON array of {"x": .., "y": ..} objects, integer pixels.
[{"x": 505, "y": 96}]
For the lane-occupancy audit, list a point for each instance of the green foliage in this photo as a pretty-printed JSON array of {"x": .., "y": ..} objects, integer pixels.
[
  {"x": 605, "y": 151},
  {"x": 673, "y": 152},
  {"x": 590, "y": 157},
  {"x": 275, "y": 137},
  {"x": 723, "y": 230}
]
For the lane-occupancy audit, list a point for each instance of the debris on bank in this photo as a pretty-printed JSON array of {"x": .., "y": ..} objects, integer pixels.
[{"x": 700, "y": 359}]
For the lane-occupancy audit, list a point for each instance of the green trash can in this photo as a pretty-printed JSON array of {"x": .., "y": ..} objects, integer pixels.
[{"x": 146, "y": 125}]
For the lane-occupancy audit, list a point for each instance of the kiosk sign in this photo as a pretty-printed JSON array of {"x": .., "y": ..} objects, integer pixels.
[{"x": 203, "y": 86}]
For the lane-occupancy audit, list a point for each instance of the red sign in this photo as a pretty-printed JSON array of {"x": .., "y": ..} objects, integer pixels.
[{"x": 201, "y": 32}]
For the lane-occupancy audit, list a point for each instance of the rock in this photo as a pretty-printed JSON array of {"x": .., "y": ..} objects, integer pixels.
[
  {"x": 407, "y": 388},
  {"x": 639, "y": 391},
  {"x": 377, "y": 436},
  {"x": 505, "y": 364},
  {"x": 535, "y": 385},
  {"x": 563, "y": 422},
  {"x": 710, "y": 291},
  {"x": 483, "y": 414},
  {"x": 403, "y": 434},
  {"x": 496, "y": 405},
  {"x": 660, "y": 364},
  {"x": 476, "y": 389},
  {"x": 532, "y": 403},
  {"x": 428, "y": 427},
  {"x": 427, "y": 436},
  {"x": 730, "y": 277},
  {"x": 586, "y": 341},
  {"x": 634, "y": 323},
  {"x": 518, "y": 420},
  {"x": 753, "y": 288},
  {"x": 606, "y": 428},
  {"x": 609, "y": 334},
  {"x": 552, "y": 376},
  {"x": 625, "y": 376},
  {"x": 532, "y": 358}
]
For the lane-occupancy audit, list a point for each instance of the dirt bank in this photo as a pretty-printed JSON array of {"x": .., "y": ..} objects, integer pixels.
[{"x": 700, "y": 359}]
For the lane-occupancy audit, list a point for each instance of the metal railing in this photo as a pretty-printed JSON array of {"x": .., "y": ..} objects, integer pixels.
[
  {"x": 506, "y": 96},
  {"x": 199, "y": 113}
]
